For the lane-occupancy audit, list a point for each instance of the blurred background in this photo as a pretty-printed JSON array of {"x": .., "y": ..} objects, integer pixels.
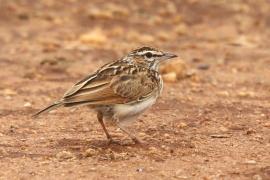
[
  {"x": 68, "y": 34},
  {"x": 212, "y": 120}
]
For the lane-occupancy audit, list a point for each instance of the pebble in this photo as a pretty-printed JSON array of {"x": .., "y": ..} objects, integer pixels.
[
  {"x": 139, "y": 169},
  {"x": 181, "y": 29},
  {"x": 64, "y": 155},
  {"x": 182, "y": 125},
  {"x": 167, "y": 135},
  {"x": 7, "y": 92},
  {"x": 267, "y": 124},
  {"x": 164, "y": 36},
  {"x": 250, "y": 131},
  {"x": 250, "y": 162},
  {"x": 3, "y": 152},
  {"x": 90, "y": 152},
  {"x": 223, "y": 93},
  {"x": 257, "y": 177},
  {"x": 224, "y": 129},
  {"x": 92, "y": 169},
  {"x": 8, "y": 97},
  {"x": 245, "y": 94},
  {"x": 203, "y": 66},
  {"x": 96, "y": 36},
  {"x": 153, "y": 150},
  {"x": 170, "y": 77},
  {"x": 178, "y": 173},
  {"x": 178, "y": 67},
  {"x": 27, "y": 104}
]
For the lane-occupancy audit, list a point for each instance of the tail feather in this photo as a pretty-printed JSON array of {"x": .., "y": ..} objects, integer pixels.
[{"x": 49, "y": 108}]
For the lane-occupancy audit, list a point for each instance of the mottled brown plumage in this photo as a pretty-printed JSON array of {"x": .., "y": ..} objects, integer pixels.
[{"x": 121, "y": 90}]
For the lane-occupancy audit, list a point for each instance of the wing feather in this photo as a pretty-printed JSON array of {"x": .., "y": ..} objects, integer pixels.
[{"x": 120, "y": 89}]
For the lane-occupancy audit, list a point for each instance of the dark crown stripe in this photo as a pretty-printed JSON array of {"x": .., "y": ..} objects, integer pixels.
[{"x": 144, "y": 49}]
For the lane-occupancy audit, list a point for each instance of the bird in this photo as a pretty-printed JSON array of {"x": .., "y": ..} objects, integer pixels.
[{"x": 119, "y": 91}]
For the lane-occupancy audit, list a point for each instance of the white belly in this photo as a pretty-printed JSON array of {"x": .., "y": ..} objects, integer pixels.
[{"x": 126, "y": 111}]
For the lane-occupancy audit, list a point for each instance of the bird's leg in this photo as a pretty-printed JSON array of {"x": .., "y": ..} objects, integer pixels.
[
  {"x": 125, "y": 130},
  {"x": 100, "y": 120}
]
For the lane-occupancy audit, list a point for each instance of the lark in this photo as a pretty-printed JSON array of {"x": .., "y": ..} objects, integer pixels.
[{"x": 119, "y": 91}]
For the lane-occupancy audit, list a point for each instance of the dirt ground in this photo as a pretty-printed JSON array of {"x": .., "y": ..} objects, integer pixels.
[{"x": 213, "y": 123}]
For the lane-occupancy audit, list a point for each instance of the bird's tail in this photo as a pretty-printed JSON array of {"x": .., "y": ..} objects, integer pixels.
[{"x": 49, "y": 108}]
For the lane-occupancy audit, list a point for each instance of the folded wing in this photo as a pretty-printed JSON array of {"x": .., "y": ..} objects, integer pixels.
[{"x": 106, "y": 90}]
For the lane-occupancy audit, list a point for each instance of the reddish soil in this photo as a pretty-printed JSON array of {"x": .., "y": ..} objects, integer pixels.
[{"x": 213, "y": 125}]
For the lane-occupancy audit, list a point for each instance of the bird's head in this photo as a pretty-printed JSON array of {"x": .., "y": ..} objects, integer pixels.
[{"x": 150, "y": 57}]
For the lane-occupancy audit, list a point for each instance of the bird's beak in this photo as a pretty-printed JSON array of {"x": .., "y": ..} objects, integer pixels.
[{"x": 168, "y": 56}]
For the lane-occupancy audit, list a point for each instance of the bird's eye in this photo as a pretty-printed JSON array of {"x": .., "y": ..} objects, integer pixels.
[{"x": 148, "y": 55}]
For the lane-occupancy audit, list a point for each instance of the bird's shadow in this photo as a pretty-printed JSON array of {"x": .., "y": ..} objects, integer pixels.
[{"x": 79, "y": 144}]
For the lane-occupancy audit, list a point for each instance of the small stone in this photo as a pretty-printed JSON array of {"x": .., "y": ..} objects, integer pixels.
[
  {"x": 167, "y": 135},
  {"x": 244, "y": 41},
  {"x": 142, "y": 134},
  {"x": 203, "y": 66},
  {"x": 223, "y": 93},
  {"x": 12, "y": 128},
  {"x": 8, "y": 97},
  {"x": 250, "y": 131},
  {"x": 23, "y": 16},
  {"x": 191, "y": 73},
  {"x": 8, "y": 92},
  {"x": 153, "y": 150},
  {"x": 164, "y": 147},
  {"x": 196, "y": 59},
  {"x": 162, "y": 173},
  {"x": 90, "y": 152},
  {"x": 139, "y": 169},
  {"x": 92, "y": 169},
  {"x": 250, "y": 162},
  {"x": 64, "y": 155},
  {"x": 50, "y": 46},
  {"x": 221, "y": 60},
  {"x": 181, "y": 29},
  {"x": 96, "y": 13},
  {"x": 96, "y": 37},
  {"x": 170, "y": 77},
  {"x": 182, "y": 125},
  {"x": 164, "y": 36},
  {"x": 179, "y": 172},
  {"x": 257, "y": 177},
  {"x": 234, "y": 70},
  {"x": 3, "y": 152},
  {"x": 27, "y": 104},
  {"x": 110, "y": 155},
  {"x": 223, "y": 129},
  {"x": 178, "y": 67},
  {"x": 246, "y": 94},
  {"x": 237, "y": 127},
  {"x": 267, "y": 124},
  {"x": 117, "y": 31}
]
